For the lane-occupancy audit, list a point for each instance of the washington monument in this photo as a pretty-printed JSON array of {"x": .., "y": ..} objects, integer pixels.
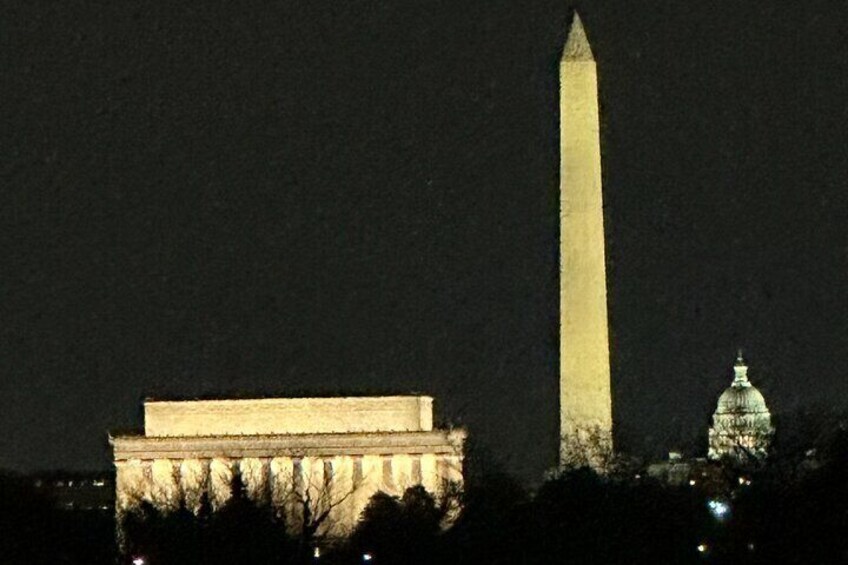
[{"x": 585, "y": 400}]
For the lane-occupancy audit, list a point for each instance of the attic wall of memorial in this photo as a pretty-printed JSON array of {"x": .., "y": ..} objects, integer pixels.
[{"x": 277, "y": 416}]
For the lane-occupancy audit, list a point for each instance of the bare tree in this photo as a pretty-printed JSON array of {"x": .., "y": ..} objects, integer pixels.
[
  {"x": 587, "y": 447},
  {"x": 312, "y": 500}
]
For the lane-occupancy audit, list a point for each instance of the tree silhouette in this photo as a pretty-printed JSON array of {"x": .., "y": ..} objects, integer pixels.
[
  {"x": 399, "y": 530},
  {"x": 493, "y": 513},
  {"x": 601, "y": 520},
  {"x": 240, "y": 531}
]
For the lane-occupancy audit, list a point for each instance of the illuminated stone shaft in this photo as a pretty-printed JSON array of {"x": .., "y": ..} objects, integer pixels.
[{"x": 585, "y": 399}]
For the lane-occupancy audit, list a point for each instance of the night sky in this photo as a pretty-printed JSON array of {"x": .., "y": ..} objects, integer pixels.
[{"x": 287, "y": 198}]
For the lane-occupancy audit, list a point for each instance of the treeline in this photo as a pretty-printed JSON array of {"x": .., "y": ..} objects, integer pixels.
[
  {"x": 786, "y": 512},
  {"x": 577, "y": 515},
  {"x": 793, "y": 510}
]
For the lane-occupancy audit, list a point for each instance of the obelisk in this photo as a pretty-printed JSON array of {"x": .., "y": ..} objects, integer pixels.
[{"x": 585, "y": 400}]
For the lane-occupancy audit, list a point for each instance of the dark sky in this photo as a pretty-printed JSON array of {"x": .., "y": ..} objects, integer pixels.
[{"x": 283, "y": 198}]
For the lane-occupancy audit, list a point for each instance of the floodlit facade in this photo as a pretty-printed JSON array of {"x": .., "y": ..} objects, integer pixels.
[
  {"x": 585, "y": 397},
  {"x": 302, "y": 455},
  {"x": 742, "y": 428}
]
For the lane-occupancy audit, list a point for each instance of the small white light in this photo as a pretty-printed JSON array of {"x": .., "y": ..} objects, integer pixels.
[
  {"x": 751, "y": 546},
  {"x": 138, "y": 561},
  {"x": 692, "y": 482},
  {"x": 719, "y": 509},
  {"x": 741, "y": 480},
  {"x": 702, "y": 548},
  {"x": 316, "y": 553},
  {"x": 367, "y": 557}
]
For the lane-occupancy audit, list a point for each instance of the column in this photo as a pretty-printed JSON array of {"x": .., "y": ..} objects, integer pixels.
[
  {"x": 130, "y": 485},
  {"x": 430, "y": 473},
  {"x": 402, "y": 472},
  {"x": 415, "y": 472},
  {"x": 282, "y": 480},
  {"x": 194, "y": 478},
  {"x": 368, "y": 474},
  {"x": 344, "y": 515},
  {"x": 387, "y": 482},
  {"x": 220, "y": 481},
  {"x": 254, "y": 475},
  {"x": 165, "y": 491}
]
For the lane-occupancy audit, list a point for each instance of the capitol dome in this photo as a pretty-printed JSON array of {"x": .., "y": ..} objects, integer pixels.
[{"x": 742, "y": 422}]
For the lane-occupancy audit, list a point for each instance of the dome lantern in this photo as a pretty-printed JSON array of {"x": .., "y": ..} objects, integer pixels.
[{"x": 740, "y": 372}]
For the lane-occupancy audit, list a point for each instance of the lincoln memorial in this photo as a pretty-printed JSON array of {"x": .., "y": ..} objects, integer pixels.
[{"x": 305, "y": 456}]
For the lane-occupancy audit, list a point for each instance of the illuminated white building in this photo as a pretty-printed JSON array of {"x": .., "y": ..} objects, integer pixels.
[
  {"x": 741, "y": 427},
  {"x": 305, "y": 456}
]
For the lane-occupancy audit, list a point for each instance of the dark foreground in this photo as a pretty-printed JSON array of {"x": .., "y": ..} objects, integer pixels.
[{"x": 789, "y": 511}]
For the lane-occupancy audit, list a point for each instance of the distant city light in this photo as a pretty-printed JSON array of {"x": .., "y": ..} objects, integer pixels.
[
  {"x": 316, "y": 553},
  {"x": 139, "y": 561},
  {"x": 367, "y": 557},
  {"x": 702, "y": 548},
  {"x": 719, "y": 509},
  {"x": 692, "y": 482}
]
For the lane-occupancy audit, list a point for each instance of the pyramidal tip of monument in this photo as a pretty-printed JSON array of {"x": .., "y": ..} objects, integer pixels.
[{"x": 577, "y": 45}]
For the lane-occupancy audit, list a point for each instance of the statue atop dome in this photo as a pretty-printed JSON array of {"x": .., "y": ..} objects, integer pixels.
[{"x": 741, "y": 427}]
